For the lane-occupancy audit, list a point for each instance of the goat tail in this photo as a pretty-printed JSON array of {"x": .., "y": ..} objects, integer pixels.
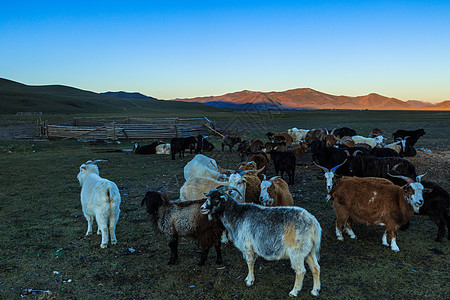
[
  {"x": 316, "y": 237},
  {"x": 113, "y": 198}
]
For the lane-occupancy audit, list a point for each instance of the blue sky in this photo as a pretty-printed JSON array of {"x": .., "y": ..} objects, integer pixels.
[{"x": 181, "y": 49}]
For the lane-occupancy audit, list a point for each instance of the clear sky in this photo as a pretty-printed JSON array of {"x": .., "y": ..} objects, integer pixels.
[{"x": 181, "y": 49}]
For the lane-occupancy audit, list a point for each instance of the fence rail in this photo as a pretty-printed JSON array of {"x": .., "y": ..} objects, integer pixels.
[{"x": 126, "y": 128}]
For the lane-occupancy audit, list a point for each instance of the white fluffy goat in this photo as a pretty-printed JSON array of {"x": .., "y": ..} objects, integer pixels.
[{"x": 100, "y": 198}]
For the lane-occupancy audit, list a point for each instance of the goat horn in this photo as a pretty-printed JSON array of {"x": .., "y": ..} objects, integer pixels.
[
  {"x": 407, "y": 179},
  {"x": 334, "y": 169},
  {"x": 356, "y": 152},
  {"x": 225, "y": 188},
  {"x": 323, "y": 168},
  {"x": 418, "y": 178},
  {"x": 98, "y": 160},
  {"x": 395, "y": 167},
  {"x": 225, "y": 171},
  {"x": 240, "y": 164},
  {"x": 252, "y": 171}
]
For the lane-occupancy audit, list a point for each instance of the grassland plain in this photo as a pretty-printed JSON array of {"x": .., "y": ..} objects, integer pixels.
[{"x": 42, "y": 243}]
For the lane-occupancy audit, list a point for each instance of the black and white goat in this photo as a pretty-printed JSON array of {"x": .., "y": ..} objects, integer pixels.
[
  {"x": 271, "y": 232},
  {"x": 183, "y": 219}
]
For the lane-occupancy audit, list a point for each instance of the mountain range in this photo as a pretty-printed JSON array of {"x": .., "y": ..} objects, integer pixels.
[
  {"x": 306, "y": 98},
  {"x": 17, "y": 97},
  {"x": 59, "y": 99}
]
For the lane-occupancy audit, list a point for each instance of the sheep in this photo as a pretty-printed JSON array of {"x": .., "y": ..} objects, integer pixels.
[
  {"x": 275, "y": 192},
  {"x": 273, "y": 233},
  {"x": 100, "y": 199},
  {"x": 183, "y": 220}
]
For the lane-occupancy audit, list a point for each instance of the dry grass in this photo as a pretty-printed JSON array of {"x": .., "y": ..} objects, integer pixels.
[{"x": 42, "y": 231}]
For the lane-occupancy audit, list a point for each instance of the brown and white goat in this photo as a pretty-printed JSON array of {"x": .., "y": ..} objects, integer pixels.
[
  {"x": 247, "y": 183},
  {"x": 275, "y": 192},
  {"x": 376, "y": 202}
]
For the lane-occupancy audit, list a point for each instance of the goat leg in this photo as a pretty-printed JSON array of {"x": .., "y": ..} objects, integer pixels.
[
  {"x": 173, "y": 244},
  {"x": 219, "y": 253},
  {"x": 203, "y": 256}
]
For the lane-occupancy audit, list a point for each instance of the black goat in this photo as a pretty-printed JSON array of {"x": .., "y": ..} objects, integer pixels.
[
  {"x": 184, "y": 219},
  {"x": 230, "y": 141},
  {"x": 181, "y": 144},
  {"x": 384, "y": 152},
  {"x": 284, "y": 161},
  {"x": 436, "y": 204},
  {"x": 207, "y": 146},
  {"x": 329, "y": 157},
  {"x": 147, "y": 149},
  {"x": 343, "y": 131},
  {"x": 370, "y": 166},
  {"x": 413, "y": 135}
]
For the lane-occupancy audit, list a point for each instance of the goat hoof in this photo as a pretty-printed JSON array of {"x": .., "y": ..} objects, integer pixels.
[
  {"x": 103, "y": 246},
  {"x": 88, "y": 233},
  {"x": 113, "y": 242},
  {"x": 315, "y": 293}
]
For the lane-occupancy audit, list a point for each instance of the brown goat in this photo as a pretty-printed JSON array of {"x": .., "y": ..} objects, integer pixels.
[
  {"x": 347, "y": 141},
  {"x": 331, "y": 140},
  {"x": 260, "y": 161},
  {"x": 288, "y": 138},
  {"x": 376, "y": 202},
  {"x": 316, "y": 134}
]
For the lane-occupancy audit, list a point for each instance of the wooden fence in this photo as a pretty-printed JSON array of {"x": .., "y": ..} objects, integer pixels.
[{"x": 127, "y": 128}]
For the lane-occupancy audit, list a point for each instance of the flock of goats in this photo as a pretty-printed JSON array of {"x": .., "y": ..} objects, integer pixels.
[{"x": 369, "y": 182}]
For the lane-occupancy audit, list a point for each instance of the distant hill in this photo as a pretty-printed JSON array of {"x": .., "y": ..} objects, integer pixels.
[
  {"x": 445, "y": 105},
  {"x": 417, "y": 103},
  {"x": 306, "y": 98},
  {"x": 127, "y": 95},
  {"x": 59, "y": 99}
]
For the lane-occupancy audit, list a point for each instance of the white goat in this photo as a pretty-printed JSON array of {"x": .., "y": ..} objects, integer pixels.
[
  {"x": 100, "y": 198},
  {"x": 297, "y": 134},
  {"x": 372, "y": 142},
  {"x": 203, "y": 166}
]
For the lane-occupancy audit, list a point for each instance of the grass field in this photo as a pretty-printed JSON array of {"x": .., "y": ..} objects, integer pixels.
[{"x": 42, "y": 243}]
